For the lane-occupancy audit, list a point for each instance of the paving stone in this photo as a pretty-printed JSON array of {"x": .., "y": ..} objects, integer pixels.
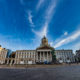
[{"x": 57, "y": 73}]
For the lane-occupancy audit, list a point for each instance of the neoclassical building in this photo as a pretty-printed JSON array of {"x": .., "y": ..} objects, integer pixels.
[
  {"x": 78, "y": 55},
  {"x": 3, "y": 55},
  {"x": 42, "y": 54},
  {"x": 25, "y": 57},
  {"x": 65, "y": 56}
]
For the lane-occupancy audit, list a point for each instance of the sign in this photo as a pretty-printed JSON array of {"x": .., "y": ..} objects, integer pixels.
[
  {"x": 29, "y": 62},
  {"x": 61, "y": 61},
  {"x": 21, "y": 62}
]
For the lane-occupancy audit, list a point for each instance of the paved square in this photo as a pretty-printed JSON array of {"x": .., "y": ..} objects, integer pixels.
[{"x": 56, "y": 73}]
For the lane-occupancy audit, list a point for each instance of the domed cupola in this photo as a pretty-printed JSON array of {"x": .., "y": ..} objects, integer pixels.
[
  {"x": 44, "y": 44},
  {"x": 44, "y": 41}
]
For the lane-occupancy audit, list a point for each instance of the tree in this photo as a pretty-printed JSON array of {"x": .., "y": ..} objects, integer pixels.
[{"x": 53, "y": 56}]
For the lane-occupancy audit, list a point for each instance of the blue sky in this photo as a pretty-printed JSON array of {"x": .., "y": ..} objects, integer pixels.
[{"x": 24, "y": 22}]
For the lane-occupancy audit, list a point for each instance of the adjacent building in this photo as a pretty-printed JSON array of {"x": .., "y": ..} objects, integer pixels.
[
  {"x": 78, "y": 55},
  {"x": 3, "y": 55},
  {"x": 64, "y": 56}
]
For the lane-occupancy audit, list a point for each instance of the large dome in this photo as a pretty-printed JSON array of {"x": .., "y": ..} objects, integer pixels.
[
  {"x": 44, "y": 44},
  {"x": 44, "y": 41}
]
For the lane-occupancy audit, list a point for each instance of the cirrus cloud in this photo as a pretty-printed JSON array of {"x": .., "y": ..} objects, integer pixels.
[
  {"x": 30, "y": 18},
  {"x": 69, "y": 39}
]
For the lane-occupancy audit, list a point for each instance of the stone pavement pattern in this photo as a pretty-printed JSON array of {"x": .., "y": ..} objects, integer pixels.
[{"x": 57, "y": 73}]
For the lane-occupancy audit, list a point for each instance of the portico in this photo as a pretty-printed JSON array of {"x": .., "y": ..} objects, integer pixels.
[{"x": 44, "y": 55}]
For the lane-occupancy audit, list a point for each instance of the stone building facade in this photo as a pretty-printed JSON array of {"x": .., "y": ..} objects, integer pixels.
[
  {"x": 3, "y": 55},
  {"x": 65, "y": 55},
  {"x": 25, "y": 57},
  {"x": 42, "y": 54},
  {"x": 78, "y": 55}
]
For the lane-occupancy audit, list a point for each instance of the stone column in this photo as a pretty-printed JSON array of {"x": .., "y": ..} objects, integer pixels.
[
  {"x": 16, "y": 56},
  {"x": 11, "y": 62},
  {"x": 40, "y": 56},
  {"x": 18, "y": 61},
  {"x": 34, "y": 57},
  {"x": 43, "y": 55},
  {"x": 14, "y": 61},
  {"x": 26, "y": 54},
  {"x": 50, "y": 57},
  {"x": 7, "y": 61},
  {"x": 29, "y": 55},
  {"x": 47, "y": 56},
  {"x": 37, "y": 56}
]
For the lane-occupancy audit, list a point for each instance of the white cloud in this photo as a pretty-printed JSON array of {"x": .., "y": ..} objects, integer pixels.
[
  {"x": 47, "y": 17},
  {"x": 70, "y": 38},
  {"x": 51, "y": 43},
  {"x": 45, "y": 30},
  {"x": 65, "y": 33},
  {"x": 30, "y": 18},
  {"x": 22, "y": 2},
  {"x": 76, "y": 46},
  {"x": 39, "y": 35},
  {"x": 42, "y": 32},
  {"x": 39, "y": 4},
  {"x": 50, "y": 10}
]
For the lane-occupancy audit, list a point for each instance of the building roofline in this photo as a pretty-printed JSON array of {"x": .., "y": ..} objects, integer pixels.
[{"x": 25, "y": 50}]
